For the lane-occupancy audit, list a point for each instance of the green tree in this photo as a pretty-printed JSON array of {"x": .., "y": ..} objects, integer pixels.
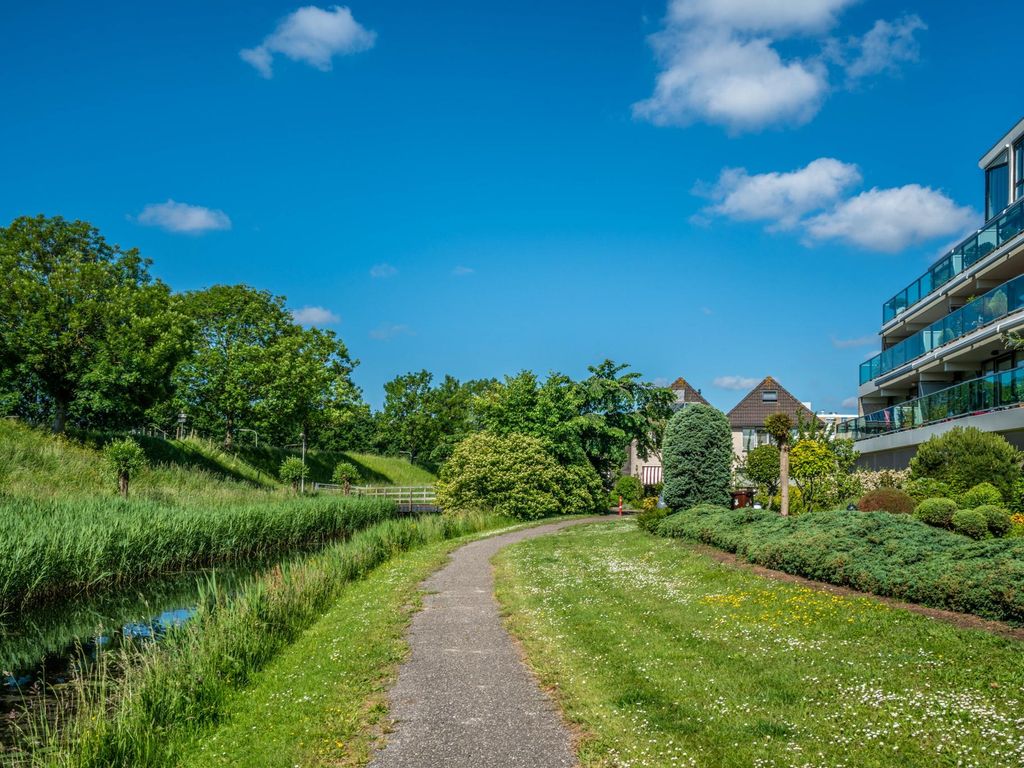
[
  {"x": 255, "y": 368},
  {"x": 83, "y": 324},
  {"x": 762, "y": 469},
  {"x": 697, "y": 458},
  {"x": 124, "y": 458},
  {"x": 780, "y": 427},
  {"x": 293, "y": 471},
  {"x": 811, "y": 465},
  {"x": 962, "y": 458},
  {"x": 344, "y": 473}
]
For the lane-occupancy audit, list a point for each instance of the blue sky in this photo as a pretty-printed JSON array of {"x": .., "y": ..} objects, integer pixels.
[{"x": 718, "y": 190}]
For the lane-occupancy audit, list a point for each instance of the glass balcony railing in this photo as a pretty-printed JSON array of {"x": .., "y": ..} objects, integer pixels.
[
  {"x": 1007, "y": 298},
  {"x": 996, "y": 231},
  {"x": 997, "y": 390}
]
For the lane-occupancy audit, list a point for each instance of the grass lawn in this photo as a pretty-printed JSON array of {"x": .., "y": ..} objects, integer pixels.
[{"x": 664, "y": 657}]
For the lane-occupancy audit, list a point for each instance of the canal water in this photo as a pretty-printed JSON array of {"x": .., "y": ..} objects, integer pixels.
[{"x": 42, "y": 650}]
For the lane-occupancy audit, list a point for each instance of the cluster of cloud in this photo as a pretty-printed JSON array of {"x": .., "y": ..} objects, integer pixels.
[
  {"x": 742, "y": 383},
  {"x": 183, "y": 218},
  {"x": 387, "y": 331},
  {"x": 383, "y": 270},
  {"x": 860, "y": 341},
  {"x": 311, "y": 35},
  {"x": 720, "y": 64},
  {"x": 814, "y": 200},
  {"x": 315, "y": 316}
]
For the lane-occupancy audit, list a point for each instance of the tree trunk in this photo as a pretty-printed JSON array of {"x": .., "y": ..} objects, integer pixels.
[
  {"x": 348, "y": 487},
  {"x": 784, "y": 479},
  {"x": 122, "y": 484},
  {"x": 60, "y": 415}
]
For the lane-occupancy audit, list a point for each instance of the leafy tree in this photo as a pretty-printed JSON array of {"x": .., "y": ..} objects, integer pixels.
[
  {"x": 629, "y": 489},
  {"x": 779, "y": 426},
  {"x": 255, "y": 368},
  {"x": 811, "y": 465},
  {"x": 89, "y": 334},
  {"x": 697, "y": 458},
  {"x": 344, "y": 473},
  {"x": 962, "y": 458},
  {"x": 293, "y": 471},
  {"x": 124, "y": 458},
  {"x": 762, "y": 469}
]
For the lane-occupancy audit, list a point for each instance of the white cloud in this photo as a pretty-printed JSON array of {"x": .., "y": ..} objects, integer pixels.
[
  {"x": 886, "y": 45},
  {"x": 387, "y": 332},
  {"x": 183, "y": 218},
  {"x": 662, "y": 382},
  {"x": 383, "y": 270},
  {"x": 720, "y": 62},
  {"x": 860, "y": 341},
  {"x": 892, "y": 219},
  {"x": 850, "y": 402},
  {"x": 735, "y": 382},
  {"x": 311, "y": 35},
  {"x": 462, "y": 271},
  {"x": 782, "y": 198},
  {"x": 315, "y": 316},
  {"x": 707, "y": 310}
]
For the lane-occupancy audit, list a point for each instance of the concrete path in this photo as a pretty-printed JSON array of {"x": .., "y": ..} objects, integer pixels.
[{"x": 464, "y": 697}]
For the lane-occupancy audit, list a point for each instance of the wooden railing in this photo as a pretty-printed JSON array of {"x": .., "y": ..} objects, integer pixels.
[{"x": 406, "y": 496}]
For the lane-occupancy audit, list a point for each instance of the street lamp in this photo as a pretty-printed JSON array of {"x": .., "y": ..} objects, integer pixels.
[
  {"x": 302, "y": 480},
  {"x": 182, "y": 418},
  {"x": 242, "y": 429}
]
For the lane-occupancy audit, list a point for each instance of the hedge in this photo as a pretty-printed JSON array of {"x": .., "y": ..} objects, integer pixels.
[{"x": 891, "y": 555}]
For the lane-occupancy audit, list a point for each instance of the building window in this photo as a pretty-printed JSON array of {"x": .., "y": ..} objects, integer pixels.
[
  {"x": 769, "y": 395},
  {"x": 1018, "y": 176},
  {"x": 754, "y": 437},
  {"x": 997, "y": 188}
]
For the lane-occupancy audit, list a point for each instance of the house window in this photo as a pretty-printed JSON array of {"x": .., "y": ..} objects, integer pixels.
[
  {"x": 769, "y": 395},
  {"x": 1018, "y": 176},
  {"x": 997, "y": 188},
  {"x": 754, "y": 437}
]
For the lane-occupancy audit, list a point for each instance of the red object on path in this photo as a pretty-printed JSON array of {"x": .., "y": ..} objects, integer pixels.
[{"x": 620, "y": 506}]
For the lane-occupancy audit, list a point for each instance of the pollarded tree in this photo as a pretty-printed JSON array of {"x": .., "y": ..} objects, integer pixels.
[
  {"x": 697, "y": 458},
  {"x": 780, "y": 427},
  {"x": 125, "y": 459}
]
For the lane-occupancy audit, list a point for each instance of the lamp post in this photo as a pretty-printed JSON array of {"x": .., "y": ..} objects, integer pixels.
[
  {"x": 255, "y": 433},
  {"x": 302, "y": 480},
  {"x": 182, "y": 418}
]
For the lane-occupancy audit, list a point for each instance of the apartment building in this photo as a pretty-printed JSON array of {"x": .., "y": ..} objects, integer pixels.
[{"x": 945, "y": 359}]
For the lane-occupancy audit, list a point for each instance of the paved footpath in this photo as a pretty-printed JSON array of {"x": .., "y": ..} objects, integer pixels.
[{"x": 464, "y": 697}]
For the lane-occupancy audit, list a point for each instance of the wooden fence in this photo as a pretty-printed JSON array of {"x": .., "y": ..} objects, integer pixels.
[{"x": 412, "y": 498}]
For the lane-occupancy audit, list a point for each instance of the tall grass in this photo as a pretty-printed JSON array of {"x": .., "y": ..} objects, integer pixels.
[
  {"x": 56, "y": 547},
  {"x": 172, "y": 694}
]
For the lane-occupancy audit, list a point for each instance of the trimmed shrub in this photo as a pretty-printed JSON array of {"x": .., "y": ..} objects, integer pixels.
[
  {"x": 999, "y": 522},
  {"x": 965, "y": 457},
  {"x": 292, "y": 470},
  {"x": 936, "y": 512},
  {"x": 981, "y": 494},
  {"x": 124, "y": 458},
  {"x": 886, "y": 500},
  {"x": 970, "y": 522},
  {"x": 697, "y": 457},
  {"x": 892, "y": 555},
  {"x": 927, "y": 488},
  {"x": 649, "y": 519},
  {"x": 630, "y": 489}
]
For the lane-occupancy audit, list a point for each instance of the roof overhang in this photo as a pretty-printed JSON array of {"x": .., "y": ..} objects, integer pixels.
[{"x": 1011, "y": 136}]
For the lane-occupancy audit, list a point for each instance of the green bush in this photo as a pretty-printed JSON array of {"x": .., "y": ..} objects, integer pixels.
[
  {"x": 762, "y": 468},
  {"x": 936, "y": 512},
  {"x": 630, "y": 489},
  {"x": 515, "y": 476},
  {"x": 892, "y": 555},
  {"x": 927, "y": 488},
  {"x": 981, "y": 494},
  {"x": 649, "y": 519},
  {"x": 697, "y": 457},
  {"x": 997, "y": 517},
  {"x": 1016, "y": 497},
  {"x": 886, "y": 500},
  {"x": 293, "y": 470},
  {"x": 124, "y": 458},
  {"x": 965, "y": 457},
  {"x": 970, "y": 522}
]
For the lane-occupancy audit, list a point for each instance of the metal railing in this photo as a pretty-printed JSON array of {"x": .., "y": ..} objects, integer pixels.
[
  {"x": 996, "y": 231},
  {"x": 994, "y": 392},
  {"x": 997, "y": 303}
]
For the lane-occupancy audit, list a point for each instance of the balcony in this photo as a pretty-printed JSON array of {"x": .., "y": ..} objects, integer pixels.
[
  {"x": 996, "y": 231},
  {"x": 997, "y": 303},
  {"x": 989, "y": 393}
]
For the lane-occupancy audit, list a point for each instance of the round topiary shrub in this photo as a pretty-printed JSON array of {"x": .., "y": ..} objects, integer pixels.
[
  {"x": 970, "y": 522},
  {"x": 630, "y": 489},
  {"x": 937, "y": 512},
  {"x": 981, "y": 495},
  {"x": 998, "y": 519},
  {"x": 697, "y": 458},
  {"x": 886, "y": 500}
]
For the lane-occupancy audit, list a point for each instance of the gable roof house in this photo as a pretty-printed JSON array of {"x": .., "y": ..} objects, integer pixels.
[
  {"x": 649, "y": 469},
  {"x": 747, "y": 418}
]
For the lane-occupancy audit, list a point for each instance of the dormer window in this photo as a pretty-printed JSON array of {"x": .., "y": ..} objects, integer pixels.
[{"x": 769, "y": 395}]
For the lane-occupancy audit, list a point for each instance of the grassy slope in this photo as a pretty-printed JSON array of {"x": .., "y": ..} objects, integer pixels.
[
  {"x": 34, "y": 464},
  {"x": 666, "y": 658}
]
